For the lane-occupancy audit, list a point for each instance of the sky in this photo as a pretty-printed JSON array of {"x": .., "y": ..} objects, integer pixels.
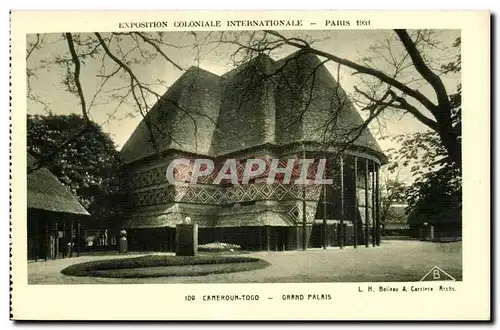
[{"x": 187, "y": 49}]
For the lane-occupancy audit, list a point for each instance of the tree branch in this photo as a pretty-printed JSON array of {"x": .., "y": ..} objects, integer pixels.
[
  {"x": 134, "y": 81},
  {"x": 76, "y": 61},
  {"x": 158, "y": 49},
  {"x": 426, "y": 72},
  {"x": 362, "y": 69},
  {"x": 35, "y": 46},
  {"x": 403, "y": 104}
]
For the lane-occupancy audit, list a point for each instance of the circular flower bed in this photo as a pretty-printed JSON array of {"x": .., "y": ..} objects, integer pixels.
[{"x": 164, "y": 266}]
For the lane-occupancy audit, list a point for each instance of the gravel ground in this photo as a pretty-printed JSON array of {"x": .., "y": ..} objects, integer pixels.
[{"x": 391, "y": 262}]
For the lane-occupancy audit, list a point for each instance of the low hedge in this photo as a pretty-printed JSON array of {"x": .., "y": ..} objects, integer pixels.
[
  {"x": 160, "y": 266},
  {"x": 218, "y": 247}
]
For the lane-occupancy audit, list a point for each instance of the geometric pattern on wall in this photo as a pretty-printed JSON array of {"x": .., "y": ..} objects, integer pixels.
[
  {"x": 157, "y": 175},
  {"x": 295, "y": 212},
  {"x": 201, "y": 195},
  {"x": 152, "y": 177},
  {"x": 216, "y": 195},
  {"x": 152, "y": 197},
  {"x": 276, "y": 191}
]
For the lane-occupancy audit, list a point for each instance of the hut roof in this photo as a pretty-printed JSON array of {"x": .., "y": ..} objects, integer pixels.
[
  {"x": 183, "y": 119},
  {"x": 172, "y": 214},
  {"x": 263, "y": 101},
  {"x": 46, "y": 192}
]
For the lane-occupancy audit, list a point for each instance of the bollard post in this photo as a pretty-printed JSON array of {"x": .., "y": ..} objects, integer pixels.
[{"x": 123, "y": 242}]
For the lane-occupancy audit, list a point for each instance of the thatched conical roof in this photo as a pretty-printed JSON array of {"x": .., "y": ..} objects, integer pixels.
[
  {"x": 312, "y": 106},
  {"x": 247, "y": 116},
  {"x": 184, "y": 119},
  {"x": 46, "y": 192},
  {"x": 295, "y": 99}
]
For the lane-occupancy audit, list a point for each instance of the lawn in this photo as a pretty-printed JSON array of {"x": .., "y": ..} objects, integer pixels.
[{"x": 393, "y": 261}]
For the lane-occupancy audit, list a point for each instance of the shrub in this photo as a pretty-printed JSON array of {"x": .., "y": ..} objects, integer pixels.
[{"x": 218, "y": 247}]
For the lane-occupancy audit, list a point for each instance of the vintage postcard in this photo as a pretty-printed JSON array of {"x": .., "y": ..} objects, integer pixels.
[{"x": 300, "y": 165}]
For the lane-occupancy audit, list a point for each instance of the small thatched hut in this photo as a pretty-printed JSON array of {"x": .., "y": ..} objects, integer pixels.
[
  {"x": 436, "y": 225},
  {"x": 54, "y": 216},
  {"x": 292, "y": 108}
]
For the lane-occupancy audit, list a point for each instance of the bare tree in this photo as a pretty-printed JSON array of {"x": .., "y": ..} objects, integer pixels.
[
  {"x": 388, "y": 87},
  {"x": 119, "y": 62}
]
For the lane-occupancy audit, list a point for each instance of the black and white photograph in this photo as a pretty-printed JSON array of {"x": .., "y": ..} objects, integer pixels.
[
  {"x": 246, "y": 151},
  {"x": 108, "y": 113}
]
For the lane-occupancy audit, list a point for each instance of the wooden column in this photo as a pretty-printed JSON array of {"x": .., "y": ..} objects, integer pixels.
[
  {"x": 168, "y": 235},
  {"x": 297, "y": 236},
  {"x": 37, "y": 237},
  {"x": 325, "y": 232},
  {"x": 173, "y": 238},
  {"x": 47, "y": 238},
  {"x": 374, "y": 242},
  {"x": 78, "y": 238},
  {"x": 367, "y": 211},
  {"x": 355, "y": 216},
  {"x": 65, "y": 239},
  {"x": 56, "y": 239},
  {"x": 71, "y": 237},
  {"x": 260, "y": 238},
  {"x": 268, "y": 238},
  {"x": 304, "y": 218},
  {"x": 325, "y": 209},
  {"x": 276, "y": 239},
  {"x": 342, "y": 202},
  {"x": 377, "y": 185}
]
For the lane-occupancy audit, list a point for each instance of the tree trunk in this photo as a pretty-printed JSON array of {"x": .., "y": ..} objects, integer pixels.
[{"x": 454, "y": 148}]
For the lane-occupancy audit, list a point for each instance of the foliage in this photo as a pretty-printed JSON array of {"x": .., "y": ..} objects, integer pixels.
[
  {"x": 88, "y": 165},
  {"x": 436, "y": 194},
  {"x": 437, "y": 188},
  {"x": 437, "y": 197},
  {"x": 393, "y": 191}
]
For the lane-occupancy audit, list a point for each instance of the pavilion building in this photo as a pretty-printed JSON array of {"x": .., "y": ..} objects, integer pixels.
[{"x": 292, "y": 108}]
